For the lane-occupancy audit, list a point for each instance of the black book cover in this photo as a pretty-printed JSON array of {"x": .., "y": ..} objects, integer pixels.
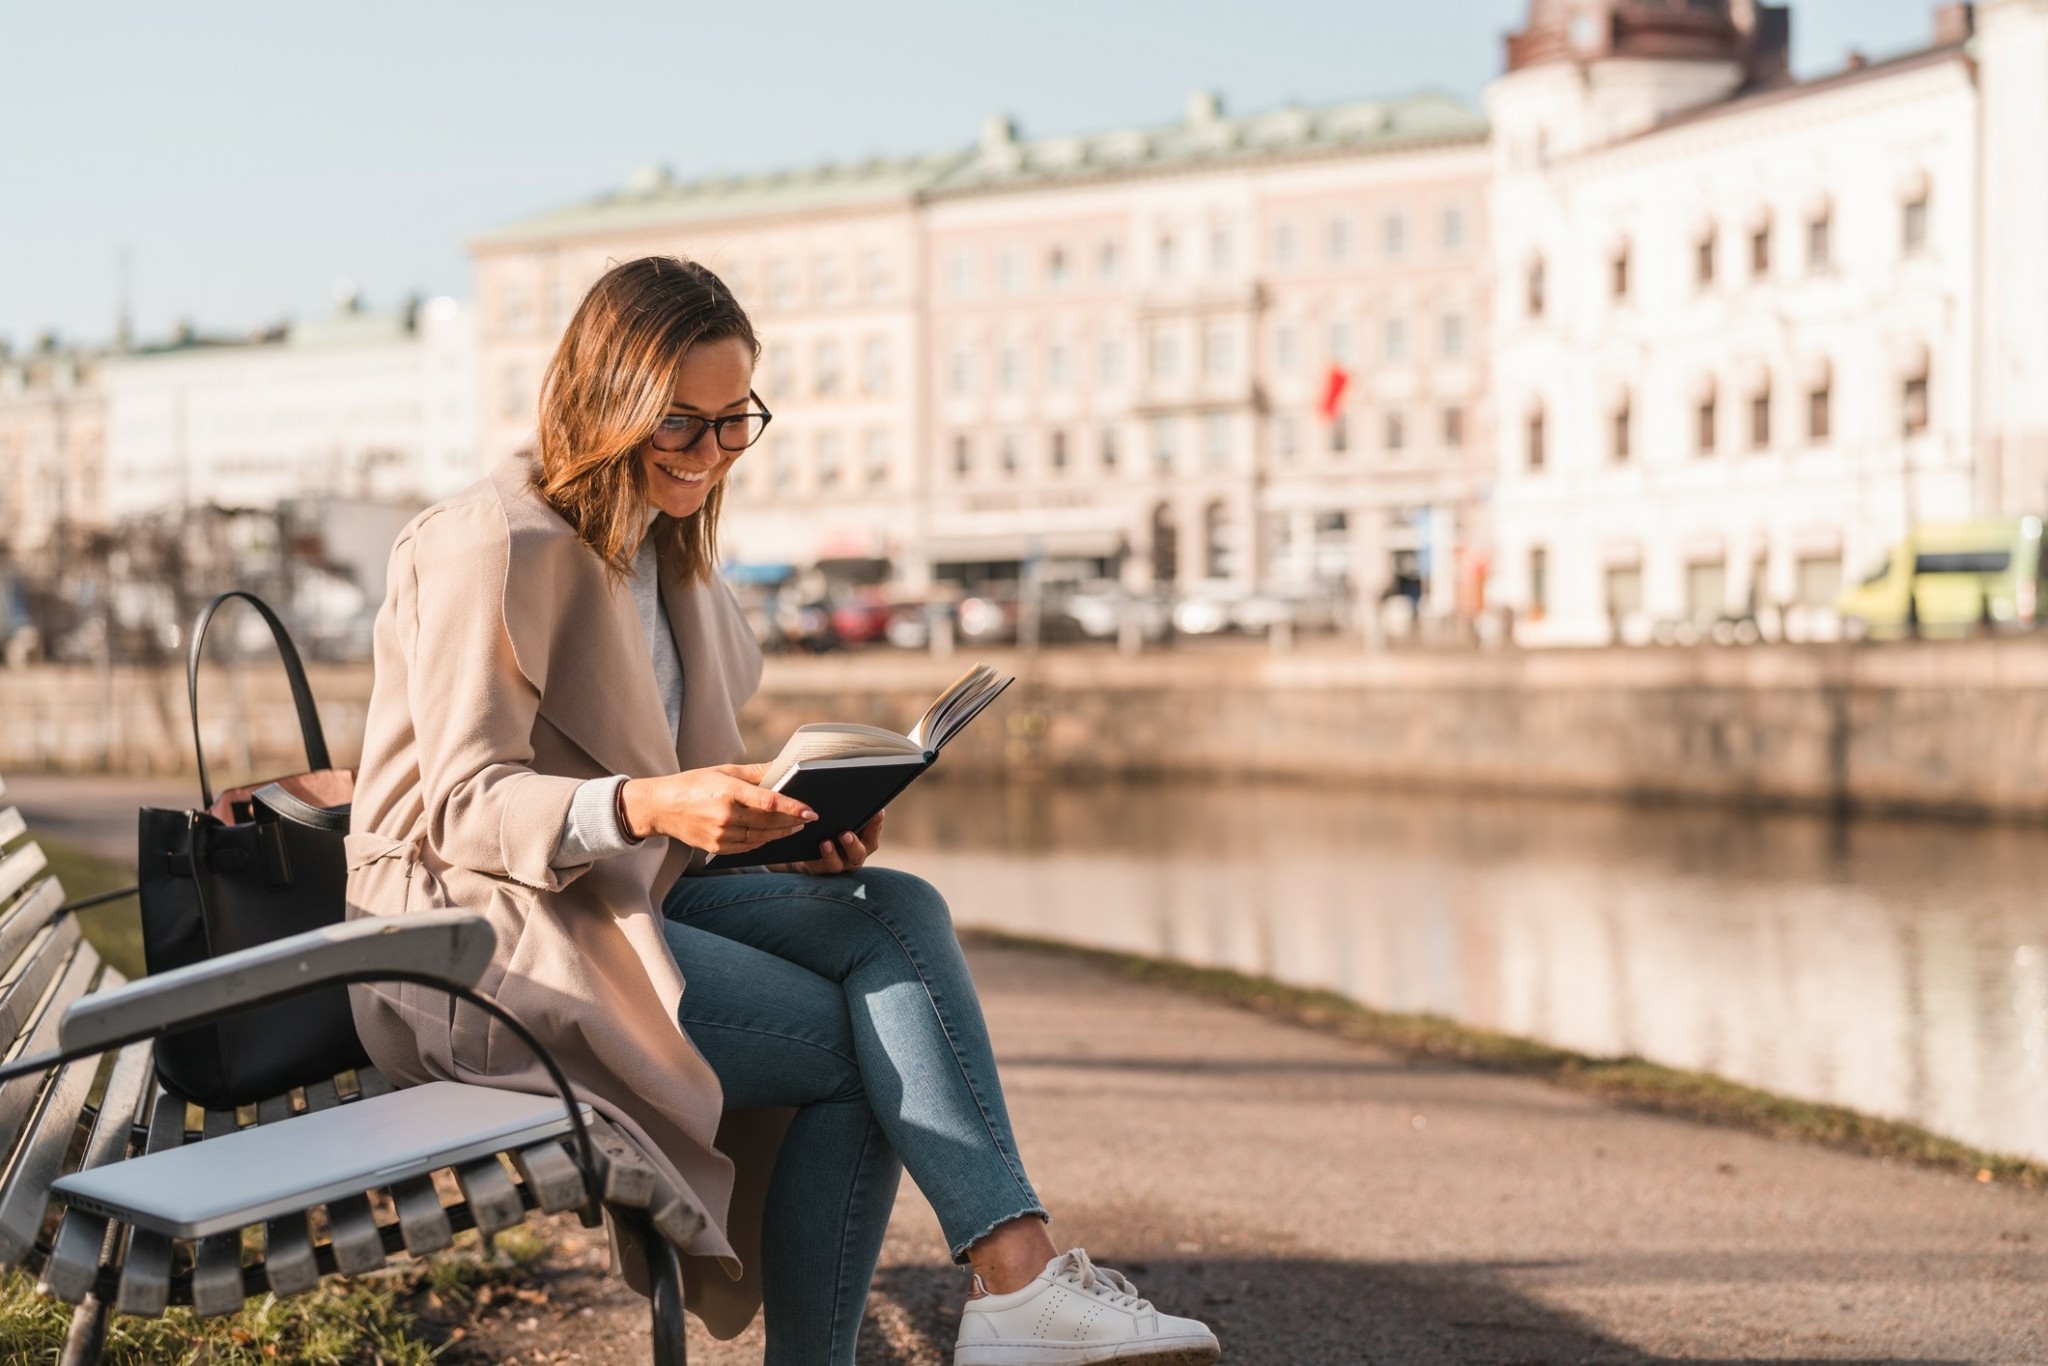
[{"x": 845, "y": 795}]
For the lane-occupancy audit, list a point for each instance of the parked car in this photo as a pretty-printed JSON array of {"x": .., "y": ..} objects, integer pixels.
[
  {"x": 986, "y": 620},
  {"x": 1947, "y": 579}
]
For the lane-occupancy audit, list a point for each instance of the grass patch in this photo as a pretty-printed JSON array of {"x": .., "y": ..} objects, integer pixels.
[
  {"x": 400, "y": 1317},
  {"x": 1633, "y": 1082},
  {"x": 114, "y": 929}
]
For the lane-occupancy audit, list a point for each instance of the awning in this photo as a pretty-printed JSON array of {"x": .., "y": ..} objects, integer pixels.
[{"x": 1051, "y": 545}]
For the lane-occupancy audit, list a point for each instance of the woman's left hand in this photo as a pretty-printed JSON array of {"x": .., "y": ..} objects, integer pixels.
[{"x": 842, "y": 855}]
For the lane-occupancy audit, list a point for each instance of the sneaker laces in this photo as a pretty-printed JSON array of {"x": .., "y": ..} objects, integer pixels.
[{"x": 1099, "y": 1281}]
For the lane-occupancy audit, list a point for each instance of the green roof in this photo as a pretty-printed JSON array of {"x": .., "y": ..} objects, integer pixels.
[{"x": 1003, "y": 161}]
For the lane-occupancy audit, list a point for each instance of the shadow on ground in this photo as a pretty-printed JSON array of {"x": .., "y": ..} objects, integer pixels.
[{"x": 1268, "y": 1312}]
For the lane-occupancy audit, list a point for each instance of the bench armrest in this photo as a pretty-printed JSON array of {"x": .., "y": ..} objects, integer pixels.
[{"x": 450, "y": 946}]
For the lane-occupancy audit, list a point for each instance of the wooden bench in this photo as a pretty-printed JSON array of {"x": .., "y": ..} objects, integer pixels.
[{"x": 78, "y": 1090}]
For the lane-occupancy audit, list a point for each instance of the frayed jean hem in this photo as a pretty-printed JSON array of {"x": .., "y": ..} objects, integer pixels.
[{"x": 960, "y": 1252}]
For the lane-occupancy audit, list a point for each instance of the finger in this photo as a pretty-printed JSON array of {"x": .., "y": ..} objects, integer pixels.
[
  {"x": 761, "y": 799},
  {"x": 828, "y": 860},
  {"x": 853, "y": 850}
]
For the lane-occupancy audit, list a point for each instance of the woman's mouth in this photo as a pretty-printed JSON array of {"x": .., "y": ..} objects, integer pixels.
[{"x": 687, "y": 478}]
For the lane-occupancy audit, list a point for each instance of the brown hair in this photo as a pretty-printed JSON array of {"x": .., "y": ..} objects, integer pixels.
[{"x": 606, "y": 390}]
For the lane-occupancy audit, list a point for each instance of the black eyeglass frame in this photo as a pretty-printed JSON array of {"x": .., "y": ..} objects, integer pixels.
[{"x": 716, "y": 427}]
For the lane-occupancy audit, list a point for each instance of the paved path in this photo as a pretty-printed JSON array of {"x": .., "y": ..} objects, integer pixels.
[
  {"x": 1320, "y": 1201},
  {"x": 92, "y": 811}
]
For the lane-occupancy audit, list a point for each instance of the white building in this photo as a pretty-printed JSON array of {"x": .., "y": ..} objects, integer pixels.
[
  {"x": 367, "y": 406},
  {"x": 1748, "y": 330}
]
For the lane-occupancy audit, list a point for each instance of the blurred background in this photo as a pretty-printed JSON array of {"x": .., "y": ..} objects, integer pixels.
[{"x": 1633, "y": 411}]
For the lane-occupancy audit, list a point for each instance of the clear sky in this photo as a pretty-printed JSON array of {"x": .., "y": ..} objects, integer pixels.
[{"x": 248, "y": 154}]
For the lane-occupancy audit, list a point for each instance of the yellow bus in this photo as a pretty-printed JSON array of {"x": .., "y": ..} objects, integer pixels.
[{"x": 1948, "y": 580}]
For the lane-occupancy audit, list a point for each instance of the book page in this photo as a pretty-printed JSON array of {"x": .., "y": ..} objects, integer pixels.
[{"x": 835, "y": 740}]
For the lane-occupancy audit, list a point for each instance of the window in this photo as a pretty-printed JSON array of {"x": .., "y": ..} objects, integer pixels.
[
  {"x": 1219, "y": 350},
  {"x": 1162, "y": 444},
  {"x": 828, "y": 460},
  {"x": 1704, "y": 427},
  {"x": 1618, "y": 274},
  {"x": 827, "y": 279},
  {"x": 876, "y": 458},
  {"x": 1011, "y": 456},
  {"x": 1109, "y": 263},
  {"x": 1111, "y": 361},
  {"x": 1820, "y": 256},
  {"x": 1222, "y": 251},
  {"x": 959, "y": 275},
  {"x": 1706, "y": 590},
  {"x": 1056, "y": 365},
  {"x": 1760, "y": 420},
  {"x": 1056, "y": 451},
  {"x": 1009, "y": 271},
  {"x": 1539, "y": 582},
  {"x": 1760, "y": 252},
  {"x": 1624, "y": 591},
  {"x": 1913, "y": 405},
  {"x": 1167, "y": 255},
  {"x": 1286, "y": 348},
  {"x": 1453, "y": 336},
  {"x": 1339, "y": 239},
  {"x": 1396, "y": 432},
  {"x": 1534, "y": 453},
  {"x": 1534, "y": 289},
  {"x": 963, "y": 456},
  {"x": 1106, "y": 443},
  {"x": 1819, "y": 580},
  {"x": 962, "y": 369},
  {"x": 1620, "y": 444},
  {"x": 1056, "y": 267},
  {"x": 1340, "y": 341},
  {"x": 874, "y": 366},
  {"x": 512, "y": 396},
  {"x": 781, "y": 371},
  {"x": 1216, "y": 440},
  {"x": 781, "y": 463},
  {"x": 515, "y": 308},
  {"x": 1165, "y": 354},
  {"x": 1009, "y": 367},
  {"x": 825, "y": 368},
  {"x": 874, "y": 274},
  {"x": 1395, "y": 233},
  {"x": 1454, "y": 228},
  {"x": 1340, "y": 434},
  {"x": 1283, "y": 435},
  {"x": 1819, "y": 414},
  {"x": 781, "y": 284},
  {"x": 1285, "y": 247},
  {"x": 1913, "y": 226},
  {"x": 1394, "y": 339},
  {"x": 1454, "y": 426},
  {"x": 1703, "y": 261}
]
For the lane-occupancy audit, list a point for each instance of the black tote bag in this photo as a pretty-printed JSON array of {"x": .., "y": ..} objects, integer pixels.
[{"x": 248, "y": 866}]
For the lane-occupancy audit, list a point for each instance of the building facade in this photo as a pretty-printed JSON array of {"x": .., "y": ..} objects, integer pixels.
[
  {"x": 52, "y": 445},
  {"x": 1107, "y": 351},
  {"x": 361, "y": 406},
  {"x": 1744, "y": 330}
]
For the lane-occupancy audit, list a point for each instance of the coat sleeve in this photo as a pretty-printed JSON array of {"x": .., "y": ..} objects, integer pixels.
[{"x": 473, "y": 709}]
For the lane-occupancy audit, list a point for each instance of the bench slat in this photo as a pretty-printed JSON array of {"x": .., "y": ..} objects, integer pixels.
[
  {"x": 274, "y": 1109},
  {"x": 288, "y": 1259},
  {"x": 217, "y": 1260},
  {"x": 420, "y": 1216},
  {"x": 38, "y": 966},
  {"x": 25, "y": 1200},
  {"x": 74, "y": 1261},
  {"x": 146, "y": 1270},
  {"x": 12, "y": 826},
  {"x": 19, "y": 866},
  {"x": 18, "y": 1095},
  {"x": 321, "y": 1095},
  {"x": 628, "y": 1179},
  {"x": 353, "y": 1234},
  {"x": 493, "y": 1200},
  {"x": 21, "y": 922},
  {"x": 372, "y": 1083},
  {"x": 551, "y": 1176}
]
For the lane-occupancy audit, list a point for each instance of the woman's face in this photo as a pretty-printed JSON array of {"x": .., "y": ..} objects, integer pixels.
[{"x": 712, "y": 382}]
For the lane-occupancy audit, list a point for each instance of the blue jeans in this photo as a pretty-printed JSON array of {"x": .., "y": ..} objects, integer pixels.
[{"x": 847, "y": 997}]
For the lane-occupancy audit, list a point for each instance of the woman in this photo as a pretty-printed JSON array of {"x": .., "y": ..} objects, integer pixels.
[{"x": 551, "y": 741}]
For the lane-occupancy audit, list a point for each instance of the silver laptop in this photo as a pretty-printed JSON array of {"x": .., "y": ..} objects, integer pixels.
[{"x": 280, "y": 1168}]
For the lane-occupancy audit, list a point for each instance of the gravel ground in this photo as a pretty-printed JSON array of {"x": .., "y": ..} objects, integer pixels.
[{"x": 1320, "y": 1201}]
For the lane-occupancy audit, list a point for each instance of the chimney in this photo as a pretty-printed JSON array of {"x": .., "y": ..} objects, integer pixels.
[
  {"x": 1855, "y": 61},
  {"x": 1954, "y": 23},
  {"x": 1204, "y": 108},
  {"x": 998, "y": 134}
]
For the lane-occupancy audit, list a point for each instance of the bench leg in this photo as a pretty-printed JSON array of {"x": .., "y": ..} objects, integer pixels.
[
  {"x": 665, "y": 1273},
  {"x": 88, "y": 1335}
]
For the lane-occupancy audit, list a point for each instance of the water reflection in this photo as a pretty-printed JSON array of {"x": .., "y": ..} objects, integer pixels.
[{"x": 1897, "y": 967}]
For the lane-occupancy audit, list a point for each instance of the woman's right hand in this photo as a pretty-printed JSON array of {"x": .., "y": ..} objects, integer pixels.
[{"x": 721, "y": 810}]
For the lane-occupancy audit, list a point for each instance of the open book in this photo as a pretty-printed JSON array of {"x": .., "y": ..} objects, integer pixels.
[{"x": 846, "y": 772}]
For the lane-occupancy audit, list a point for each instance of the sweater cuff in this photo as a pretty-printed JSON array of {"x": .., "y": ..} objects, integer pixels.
[{"x": 591, "y": 830}]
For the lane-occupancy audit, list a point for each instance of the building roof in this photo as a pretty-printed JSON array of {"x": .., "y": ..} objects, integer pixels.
[
  {"x": 1744, "y": 101},
  {"x": 1002, "y": 160}
]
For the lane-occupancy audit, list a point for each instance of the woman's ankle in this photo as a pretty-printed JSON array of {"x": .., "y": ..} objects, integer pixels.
[{"x": 1012, "y": 1254}]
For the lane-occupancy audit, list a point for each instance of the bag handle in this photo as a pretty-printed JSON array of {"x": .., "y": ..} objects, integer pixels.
[{"x": 294, "y": 671}]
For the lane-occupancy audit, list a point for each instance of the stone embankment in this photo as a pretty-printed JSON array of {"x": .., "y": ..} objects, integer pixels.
[{"x": 1937, "y": 727}]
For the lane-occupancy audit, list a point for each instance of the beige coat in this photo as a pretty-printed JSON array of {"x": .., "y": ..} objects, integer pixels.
[{"x": 509, "y": 668}]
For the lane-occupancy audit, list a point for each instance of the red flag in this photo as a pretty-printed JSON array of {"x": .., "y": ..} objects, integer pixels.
[{"x": 1334, "y": 385}]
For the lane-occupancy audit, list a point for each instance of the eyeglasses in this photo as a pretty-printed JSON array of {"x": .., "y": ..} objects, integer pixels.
[{"x": 680, "y": 431}]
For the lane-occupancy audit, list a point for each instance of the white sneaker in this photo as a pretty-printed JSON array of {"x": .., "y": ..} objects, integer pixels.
[{"x": 1077, "y": 1312}]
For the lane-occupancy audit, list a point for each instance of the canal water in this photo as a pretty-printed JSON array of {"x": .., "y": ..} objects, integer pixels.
[{"x": 1896, "y": 967}]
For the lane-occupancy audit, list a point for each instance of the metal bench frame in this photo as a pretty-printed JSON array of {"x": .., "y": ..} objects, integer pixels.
[{"x": 60, "y": 1006}]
